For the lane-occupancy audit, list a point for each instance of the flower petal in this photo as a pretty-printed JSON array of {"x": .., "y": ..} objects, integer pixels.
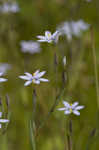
[
  {"x": 55, "y": 34},
  {"x": 76, "y": 112},
  {"x": 67, "y": 105},
  {"x": 60, "y": 109},
  {"x": 49, "y": 41},
  {"x": 1, "y": 73},
  {"x": 43, "y": 80},
  {"x": 67, "y": 112},
  {"x": 3, "y": 80},
  {"x": 28, "y": 74},
  {"x": 79, "y": 107},
  {"x": 42, "y": 40},
  {"x": 40, "y": 74},
  {"x": 27, "y": 83},
  {"x": 36, "y": 81},
  {"x": 74, "y": 105},
  {"x": 47, "y": 34},
  {"x": 41, "y": 37},
  {"x": 0, "y": 126},
  {"x": 36, "y": 72},
  {"x": 24, "y": 77},
  {"x": 4, "y": 120}
]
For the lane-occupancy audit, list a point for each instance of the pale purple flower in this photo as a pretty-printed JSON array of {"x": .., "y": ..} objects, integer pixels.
[
  {"x": 2, "y": 79},
  {"x": 35, "y": 78},
  {"x": 71, "y": 108},
  {"x": 4, "y": 67},
  {"x": 9, "y": 7},
  {"x": 73, "y": 28},
  {"x": 48, "y": 37},
  {"x": 30, "y": 47}
]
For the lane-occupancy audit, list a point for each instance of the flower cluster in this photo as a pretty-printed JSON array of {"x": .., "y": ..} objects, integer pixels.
[
  {"x": 73, "y": 28},
  {"x": 69, "y": 28}
]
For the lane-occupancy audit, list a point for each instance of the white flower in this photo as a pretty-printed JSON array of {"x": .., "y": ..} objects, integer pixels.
[
  {"x": 64, "y": 60},
  {"x": 73, "y": 28},
  {"x": 4, "y": 67},
  {"x": 2, "y": 79},
  {"x": 49, "y": 37},
  {"x": 30, "y": 47},
  {"x": 9, "y": 7},
  {"x": 3, "y": 120},
  {"x": 71, "y": 108},
  {"x": 35, "y": 78},
  {"x": 14, "y": 8}
]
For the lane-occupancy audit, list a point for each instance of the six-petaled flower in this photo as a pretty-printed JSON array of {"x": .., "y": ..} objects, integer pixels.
[
  {"x": 49, "y": 37},
  {"x": 71, "y": 108},
  {"x": 35, "y": 78}
]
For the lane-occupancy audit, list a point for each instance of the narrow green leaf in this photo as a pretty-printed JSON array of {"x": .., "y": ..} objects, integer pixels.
[{"x": 32, "y": 134}]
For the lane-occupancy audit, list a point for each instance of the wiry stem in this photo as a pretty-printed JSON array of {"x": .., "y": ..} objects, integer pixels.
[
  {"x": 69, "y": 142},
  {"x": 32, "y": 126},
  {"x": 51, "y": 110},
  {"x": 34, "y": 101},
  {"x": 95, "y": 64},
  {"x": 32, "y": 134},
  {"x": 69, "y": 135}
]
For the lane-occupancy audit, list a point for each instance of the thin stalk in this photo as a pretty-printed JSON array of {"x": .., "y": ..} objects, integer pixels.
[
  {"x": 57, "y": 100},
  {"x": 32, "y": 134},
  {"x": 69, "y": 135},
  {"x": 56, "y": 71},
  {"x": 95, "y": 64},
  {"x": 69, "y": 142},
  {"x": 32, "y": 127},
  {"x": 34, "y": 102}
]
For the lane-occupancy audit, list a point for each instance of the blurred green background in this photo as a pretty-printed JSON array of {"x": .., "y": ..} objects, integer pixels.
[{"x": 34, "y": 18}]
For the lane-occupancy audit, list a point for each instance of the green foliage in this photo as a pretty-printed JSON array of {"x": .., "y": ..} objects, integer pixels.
[{"x": 34, "y": 18}]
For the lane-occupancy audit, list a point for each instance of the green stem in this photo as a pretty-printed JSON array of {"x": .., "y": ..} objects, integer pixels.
[
  {"x": 32, "y": 123},
  {"x": 34, "y": 102},
  {"x": 51, "y": 110},
  {"x": 95, "y": 64},
  {"x": 32, "y": 134},
  {"x": 69, "y": 135}
]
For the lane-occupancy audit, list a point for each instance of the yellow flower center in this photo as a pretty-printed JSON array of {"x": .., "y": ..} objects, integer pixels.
[
  {"x": 71, "y": 110},
  {"x": 49, "y": 35},
  {"x": 33, "y": 80},
  {"x": 33, "y": 74}
]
